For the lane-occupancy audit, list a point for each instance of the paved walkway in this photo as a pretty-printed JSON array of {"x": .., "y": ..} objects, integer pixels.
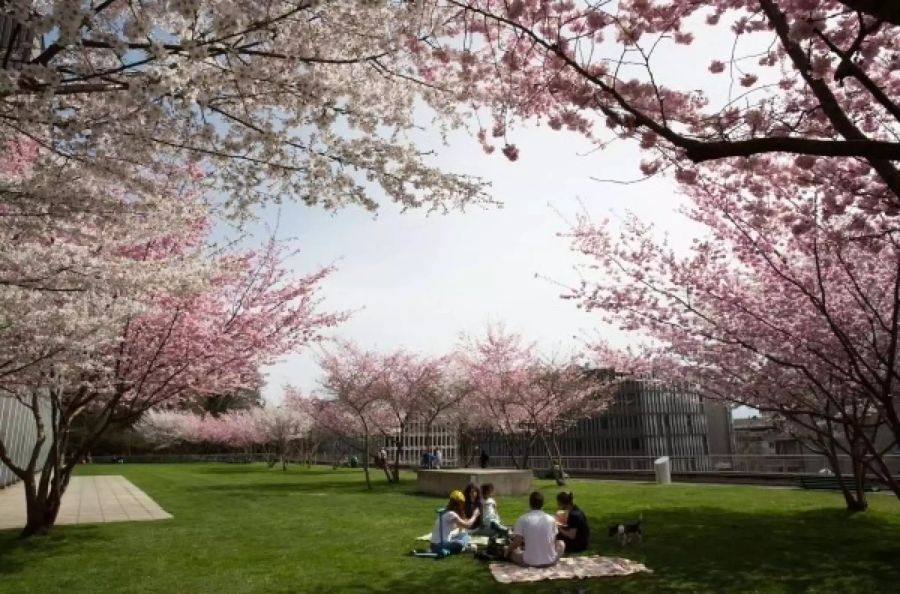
[{"x": 89, "y": 499}]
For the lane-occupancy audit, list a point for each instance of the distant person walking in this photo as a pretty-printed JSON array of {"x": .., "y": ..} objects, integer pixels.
[
  {"x": 484, "y": 458},
  {"x": 383, "y": 463},
  {"x": 438, "y": 458}
]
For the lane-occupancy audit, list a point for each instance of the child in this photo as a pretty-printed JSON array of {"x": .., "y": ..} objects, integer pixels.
[{"x": 491, "y": 521}]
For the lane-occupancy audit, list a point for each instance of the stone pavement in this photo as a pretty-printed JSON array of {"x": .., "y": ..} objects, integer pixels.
[{"x": 89, "y": 499}]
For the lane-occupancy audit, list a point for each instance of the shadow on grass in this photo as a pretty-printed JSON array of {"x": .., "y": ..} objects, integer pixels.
[
  {"x": 716, "y": 550},
  {"x": 280, "y": 488},
  {"x": 40, "y": 547},
  {"x": 228, "y": 469}
]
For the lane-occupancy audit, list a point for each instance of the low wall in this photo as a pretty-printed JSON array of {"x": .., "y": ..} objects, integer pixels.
[{"x": 505, "y": 481}]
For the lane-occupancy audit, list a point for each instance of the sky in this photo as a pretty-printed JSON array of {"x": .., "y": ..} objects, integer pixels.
[{"x": 420, "y": 281}]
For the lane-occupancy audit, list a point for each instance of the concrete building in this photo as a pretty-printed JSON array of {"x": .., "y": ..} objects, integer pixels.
[
  {"x": 763, "y": 445},
  {"x": 760, "y": 436},
  {"x": 647, "y": 420}
]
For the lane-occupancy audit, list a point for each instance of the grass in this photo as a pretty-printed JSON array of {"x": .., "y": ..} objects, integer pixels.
[{"x": 251, "y": 529}]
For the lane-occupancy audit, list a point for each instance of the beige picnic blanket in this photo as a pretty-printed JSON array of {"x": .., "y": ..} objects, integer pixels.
[
  {"x": 568, "y": 568},
  {"x": 481, "y": 541}
]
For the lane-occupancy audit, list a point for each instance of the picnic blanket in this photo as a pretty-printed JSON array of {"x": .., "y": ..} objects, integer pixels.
[
  {"x": 568, "y": 568},
  {"x": 481, "y": 541}
]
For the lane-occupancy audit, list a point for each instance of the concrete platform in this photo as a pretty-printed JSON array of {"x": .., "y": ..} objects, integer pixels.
[
  {"x": 506, "y": 481},
  {"x": 88, "y": 500}
]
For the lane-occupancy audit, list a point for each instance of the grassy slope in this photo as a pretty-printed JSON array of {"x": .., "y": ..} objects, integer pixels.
[{"x": 251, "y": 529}]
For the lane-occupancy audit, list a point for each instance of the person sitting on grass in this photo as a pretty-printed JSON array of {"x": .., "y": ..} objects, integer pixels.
[
  {"x": 448, "y": 520},
  {"x": 574, "y": 531},
  {"x": 491, "y": 524},
  {"x": 474, "y": 504},
  {"x": 533, "y": 542}
]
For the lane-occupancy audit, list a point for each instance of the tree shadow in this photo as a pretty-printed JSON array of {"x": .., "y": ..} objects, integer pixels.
[
  {"x": 334, "y": 487},
  {"x": 716, "y": 550},
  {"x": 42, "y": 546},
  {"x": 293, "y": 470}
]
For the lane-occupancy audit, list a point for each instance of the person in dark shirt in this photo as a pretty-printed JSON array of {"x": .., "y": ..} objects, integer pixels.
[
  {"x": 575, "y": 532},
  {"x": 484, "y": 458}
]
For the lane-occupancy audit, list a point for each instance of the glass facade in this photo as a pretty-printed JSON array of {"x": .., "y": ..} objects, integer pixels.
[{"x": 417, "y": 441}]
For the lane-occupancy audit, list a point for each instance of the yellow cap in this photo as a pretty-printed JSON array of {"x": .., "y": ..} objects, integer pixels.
[{"x": 457, "y": 495}]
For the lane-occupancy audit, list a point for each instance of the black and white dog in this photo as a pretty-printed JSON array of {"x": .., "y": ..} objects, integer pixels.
[{"x": 627, "y": 531}]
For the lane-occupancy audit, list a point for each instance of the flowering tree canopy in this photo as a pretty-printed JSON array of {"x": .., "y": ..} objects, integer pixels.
[
  {"x": 789, "y": 305},
  {"x": 354, "y": 378},
  {"x": 811, "y": 78},
  {"x": 288, "y": 98},
  {"x": 111, "y": 315},
  {"x": 277, "y": 429},
  {"x": 528, "y": 399}
]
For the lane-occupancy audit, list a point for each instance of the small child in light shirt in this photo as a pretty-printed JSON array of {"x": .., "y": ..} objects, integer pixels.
[{"x": 491, "y": 520}]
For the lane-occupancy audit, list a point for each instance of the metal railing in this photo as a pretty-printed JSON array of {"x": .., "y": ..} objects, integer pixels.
[
  {"x": 764, "y": 464},
  {"x": 787, "y": 465},
  {"x": 18, "y": 433}
]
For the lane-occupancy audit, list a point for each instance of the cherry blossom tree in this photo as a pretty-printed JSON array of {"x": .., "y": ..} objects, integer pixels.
[
  {"x": 334, "y": 423},
  {"x": 354, "y": 378},
  {"x": 560, "y": 394},
  {"x": 497, "y": 366},
  {"x": 279, "y": 430},
  {"x": 527, "y": 399},
  {"x": 790, "y": 305},
  {"x": 167, "y": 428},
  {"x": 446, "y": 398},
  {"x": 807, "y": 79},
  {"x": 175, "y": 341},
  {"x": 407, "y": 381},
  {"x": 293, "y": 99},
  {"x": 283, "y": 428},
  {"x": 60, "y": 267}
]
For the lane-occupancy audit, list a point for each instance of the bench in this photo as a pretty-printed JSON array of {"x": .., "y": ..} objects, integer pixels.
[{"x": 833, "y": 483}]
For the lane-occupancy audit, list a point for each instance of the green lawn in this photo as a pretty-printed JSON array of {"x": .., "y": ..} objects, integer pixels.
[{"x": 251, "y": 529}]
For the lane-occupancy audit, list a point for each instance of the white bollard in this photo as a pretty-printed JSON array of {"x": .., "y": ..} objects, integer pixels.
[{"x": 663, "y": 469}]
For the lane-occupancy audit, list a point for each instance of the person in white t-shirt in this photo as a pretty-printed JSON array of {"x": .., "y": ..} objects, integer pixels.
[
  {"x": 533, "y": 542},
  {"x": 448, "y": 520}
]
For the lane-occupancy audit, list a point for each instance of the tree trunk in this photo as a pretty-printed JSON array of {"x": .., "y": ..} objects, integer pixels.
[
  {"x": 560, "y": 471},
  {"x": 41, "y": 509},
  {"x": 512, "y": 454},
  {"x": 43, "y": 495},
  {"x": 398, "y": 451},
  {"x": 854, "y": 499},
  {"x": 365, "y": 460},
  {"x": 859, "y": 483},
  {"x": 555, "y": 464}
]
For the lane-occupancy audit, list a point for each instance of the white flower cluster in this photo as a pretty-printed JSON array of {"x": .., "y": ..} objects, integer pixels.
[{"x": 239, "y": 86}]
